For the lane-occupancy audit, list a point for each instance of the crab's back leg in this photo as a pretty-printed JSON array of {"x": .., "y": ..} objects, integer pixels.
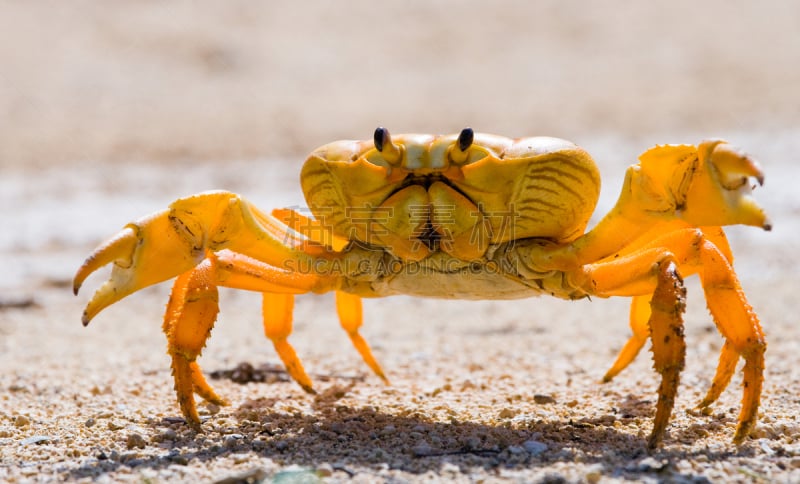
[
  {"x": 639, "y": 316},
  {"x": 640, "y": 307},
  {"x": 707, "y": 253},
  {"x": 348, "y": 306},
  {"x": 653, "y": 272},
  {"x": 695, "y": 251},
  {"x": 277, "y": 312}
]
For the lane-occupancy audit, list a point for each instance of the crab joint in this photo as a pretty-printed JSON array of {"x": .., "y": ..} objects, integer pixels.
[{"x": 383, "y": 143}]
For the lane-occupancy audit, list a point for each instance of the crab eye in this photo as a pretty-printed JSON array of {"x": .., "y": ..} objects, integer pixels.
[
  {"x": 465, "y": 139},
  {"x": 381, "y": 138},
  {"x": 389, "y": 152}
]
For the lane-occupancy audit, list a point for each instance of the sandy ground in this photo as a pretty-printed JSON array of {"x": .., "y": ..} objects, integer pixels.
[{"x": 109, "y": 112}]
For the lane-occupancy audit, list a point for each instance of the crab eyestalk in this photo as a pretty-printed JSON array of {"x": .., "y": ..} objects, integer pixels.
[
  {"x": 383, "y": 143},
  {"x": 458, "y": 153}
]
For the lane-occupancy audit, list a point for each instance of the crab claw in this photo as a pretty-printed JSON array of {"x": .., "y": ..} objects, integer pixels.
[
  {"x": 706, "y": 185},
  {"x": 720, "y": 193},
  {"x": 145, "y": 252}
]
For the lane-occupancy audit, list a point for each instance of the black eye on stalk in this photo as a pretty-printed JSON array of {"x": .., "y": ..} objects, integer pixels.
[
  {"x": 465, "y": 138},
  {"x": 381, "y": 138}
]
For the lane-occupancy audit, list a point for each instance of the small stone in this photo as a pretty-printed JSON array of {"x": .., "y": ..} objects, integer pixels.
[
  {"x": 534, "y": 447},
  {"x": 36, "y": 439},
  {"x": 135, "y": 441},
  {"x": 593, "y": 475},
  {"x": 240, "y": 458},
  {"x": 232, "y": 440},
  {"x": 179, "y": 459},
  {"x": 553, "y": 479},
  {"x": 648, "y": 464},
  {"x": 506, "y": 413},
  {"x": 324, "y": 470},
  {"x": 112, "y": 425},
  {"x": 89, "y": 422},
  {"x": 422, "y": 449},
  {"x": 543, "y": 399},
  {"x": 21, "y": 421},
  {"x": 255, "y": 475}
]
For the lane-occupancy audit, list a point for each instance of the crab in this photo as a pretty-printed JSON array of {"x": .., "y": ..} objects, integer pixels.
[{"x": 461, "y": 216}]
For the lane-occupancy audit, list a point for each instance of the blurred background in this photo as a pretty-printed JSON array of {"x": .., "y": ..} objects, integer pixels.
[
  {"x": 95, "y": 82},
  {"x": 110, "y": 110}
]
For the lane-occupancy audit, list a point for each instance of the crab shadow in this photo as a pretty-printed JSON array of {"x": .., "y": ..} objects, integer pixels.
[{"x": 362, "y": 439}]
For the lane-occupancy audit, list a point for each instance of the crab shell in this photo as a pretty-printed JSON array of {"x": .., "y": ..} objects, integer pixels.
[{"x": 424, "y": 193}]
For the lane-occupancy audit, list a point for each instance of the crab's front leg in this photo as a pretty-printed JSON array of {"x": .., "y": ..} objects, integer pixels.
[
  {"x": 640, "y": 305},
  {"x": 649, "y": 272},
  {"x": 695, "y": 250},
  {"x": 188, "y": 240},
  {"x": 173, "y": 241},
  {"x": 193, "y": 307}
]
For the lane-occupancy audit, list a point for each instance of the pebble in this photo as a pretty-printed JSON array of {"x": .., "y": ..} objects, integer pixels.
[
  {"x": 21, "y": 421},
  {"x": 506, "y": 413},
  {"x": 113, "y": 425},
  {"x": 594, "y": 473},
  {"x": 135, "y": 441},
  {"x": 422, "y": 449},
  {"x": 543, "y": 399},
  {"x": 534, "y": 447},
  {"x": 240, "y": 458},
  {"x": 36, "y": 439},
  {"x": 516, "y": 449},
  {"x": 232, "y": 440},
  {"x": 648, "y": 464}
]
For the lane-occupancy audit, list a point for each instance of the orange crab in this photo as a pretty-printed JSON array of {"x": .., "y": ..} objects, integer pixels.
[{"x": 466, "y": 216}]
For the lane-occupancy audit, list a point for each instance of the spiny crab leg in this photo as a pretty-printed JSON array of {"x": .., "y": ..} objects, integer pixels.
[
  {"x": 192, "y": 311},
  {"x": 694, "y": 250}
]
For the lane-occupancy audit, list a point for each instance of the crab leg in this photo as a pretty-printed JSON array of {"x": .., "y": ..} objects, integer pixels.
[
  {"x": 173, "y": 241},
  {"x": 651, "y": 272},
  {"x": 277, "y": 311},
  {"x": 348, "y": 306},
  {"x": 695, "y": 250},
  {"x": 640, "y": 308},
  {"x": 192, "y": 311},
  {"x": 640, "y": 315}
]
